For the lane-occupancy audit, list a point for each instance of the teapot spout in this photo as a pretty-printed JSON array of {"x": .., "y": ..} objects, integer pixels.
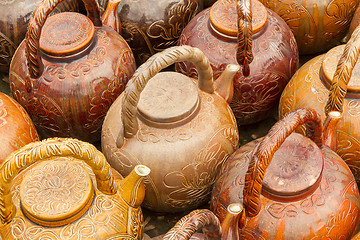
[
  {"x": 234, "y": 219},
  {"x": 224, "y": 85},
  {"x": 110, "y": 17},
  {"x": 329, "y": 132},
  {"x": 132, "y": 188}
]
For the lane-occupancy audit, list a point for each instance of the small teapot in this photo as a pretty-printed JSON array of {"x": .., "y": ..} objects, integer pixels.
[
  {"x": 76, "y": 67},
  {"x": 291, "y": 187},
  {"x": 184, "y": 132},
  {"x": 65, "y": 189}
]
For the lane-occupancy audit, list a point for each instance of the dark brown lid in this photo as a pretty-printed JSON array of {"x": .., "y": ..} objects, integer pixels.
[
  {"x": 295, "y": 169},
  {"x": 66, "y": 33},
  {"x": 56, "y": 192},
  {"x": 223, "y": 17}
]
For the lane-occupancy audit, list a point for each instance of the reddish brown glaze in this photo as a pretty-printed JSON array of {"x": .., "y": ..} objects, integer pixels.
[
  {"x": 70, "y": 82},
  {"x": 355, "y": 21},
  {"x": 328, "y": 207},
  {"x": 273, "y": 47},
  {"x": 16, "y": 127}
]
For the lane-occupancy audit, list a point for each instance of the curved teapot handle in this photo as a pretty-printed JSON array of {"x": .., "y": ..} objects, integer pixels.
[
  {"x": 39, "y": 151},
  {"x": 262, "y": 154},
  {"x": 244, "y": 55},
  {"x": 343, "y": 73},
  {"x": 37, "y": 21},
  {"x": 149, "y": 69}
]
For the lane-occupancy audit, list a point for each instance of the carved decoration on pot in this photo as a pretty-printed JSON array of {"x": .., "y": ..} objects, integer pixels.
[
  {"x": 70, "y": 81},
  {"x": 245, "y": 32},
  {"x": 65, "y": 189},
  {"x": 291, "y": 187},
  {"x": 16, "y": 127},
  {"x": 330, "y": 82},
  {"x": 185, "y": 133},
  {"x": 317, "y": 25},
  {"x": 14, "y": 19}
]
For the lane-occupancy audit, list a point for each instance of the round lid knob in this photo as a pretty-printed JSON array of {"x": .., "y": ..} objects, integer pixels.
[
  {"x": 66, "y": 33},
  {"x": 223, "y": 17},
  {"x": 56, "y": 192},
  {"x": 169, "y": 97},
  {"x": 295, "y": 169},
  {"x": 329, "y": 65}
]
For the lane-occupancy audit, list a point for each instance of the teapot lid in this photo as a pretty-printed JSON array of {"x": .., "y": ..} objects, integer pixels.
[
  {"x": 66, "y": 33},
  {"x": 56, "y": 192},
  {"x": 169, "y": 99},
  {"x": 223, "y": 17},
  {"x": 328, "y": 69},
  {"x": 295, "y": 169}
]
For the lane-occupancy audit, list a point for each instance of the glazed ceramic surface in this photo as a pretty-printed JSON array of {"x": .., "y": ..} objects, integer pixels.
[
  {"x": 65, "y": 189},
  {"x": 268, "y": 51},
  {"x": 14, "y": 19},
  {"x": 291, "y": 187},
  {"x": 183, "y": 132},
  {"x": 68, "y": 83}
]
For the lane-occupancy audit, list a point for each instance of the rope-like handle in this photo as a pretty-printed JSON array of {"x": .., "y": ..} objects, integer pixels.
[
  {"x": 39, "y": 151},
  {"x": 343, "y": 73},
  {"x": 264, "y": 151},
  {"x": 194, "y": 221},
  {"x": 37, "y": 21},
  {"x": 244, "y": 55},
  {"x": 148, "y": 70}
]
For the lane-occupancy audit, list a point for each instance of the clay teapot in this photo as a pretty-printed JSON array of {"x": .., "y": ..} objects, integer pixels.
[
  {"x": 330, "y": 82},
  {"x": 65, "y": 189},
  {"x": 317, "y": 25},
  {"x": 14, "y": 19},
  {"x": 185, "y": 133},
  {"x": 245, "y": 32},
  {"x": 150, "y": 26},
  {"x": 76, "y": 67},
  {"x": 16, "y": 127},
  {"x": 291, "y": 187}
]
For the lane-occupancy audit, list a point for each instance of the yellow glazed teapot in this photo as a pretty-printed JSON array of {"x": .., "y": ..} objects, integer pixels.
[{"x": 63, "y": 188}]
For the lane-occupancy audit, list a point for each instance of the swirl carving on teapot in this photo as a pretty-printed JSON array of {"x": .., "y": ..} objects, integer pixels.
[{"x": 7, "y": 49}]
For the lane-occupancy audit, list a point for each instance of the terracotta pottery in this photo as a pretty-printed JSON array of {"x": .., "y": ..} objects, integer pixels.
[
  {"x": 245, "y": 32},
  {"x": 330, "y": 82},
  {"x": 183, "y": 132},
  {"x": 355, "y": 21},
  {"x": 16, "y": 127},
  {"x": 14, "y": 19},
  {"x": 356, "y": 237},
  {"x": 317, "y": 25},
  {"x": 65, "y": 189},
  {"x": 75, "y": 68},
  {"x": 291, "y": 187},
  {"x": 150, "y": 26}
]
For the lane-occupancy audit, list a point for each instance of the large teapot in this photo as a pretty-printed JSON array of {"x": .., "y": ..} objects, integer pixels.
[
  {"x": 291, "y": 187},
  {"x": 65, "y": 189},
  {"x": 184, "y": 133},
  {"x": 69, "y": 70},
  {"x": 245, "y": 32},
  {"x": 330, "y": 82}
]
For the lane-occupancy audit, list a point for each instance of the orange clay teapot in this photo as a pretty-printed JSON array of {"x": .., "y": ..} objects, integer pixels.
[
  {"x": 75, "y": 68},
  {"x": 291, "y": 187},
  {"x": 331, "y": 82},
  {"x": 65, "y": 189},
  {"x": 183, "y": 132}
]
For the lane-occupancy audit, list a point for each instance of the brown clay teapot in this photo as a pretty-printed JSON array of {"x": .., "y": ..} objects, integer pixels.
[
  {"x": 330, "y": 82},
  {"x": 75, "y": 68},
  {"x": 65, "y": 189},
  {"x": 183, "y": 132},
  {"x": 291, "y": 187},
  {"x": 246, "y": 33}
]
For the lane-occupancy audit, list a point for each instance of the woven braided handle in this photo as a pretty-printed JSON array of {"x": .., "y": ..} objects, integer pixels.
[
  {"x": 148, "y": 70},
  {"x": 42, "y": 151},
  {"x": 244, "y": 55},
  {"x": 343, "y": 73},
  {"x": 37, "y": 21},
  {"x": 264, "y": 151}
]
